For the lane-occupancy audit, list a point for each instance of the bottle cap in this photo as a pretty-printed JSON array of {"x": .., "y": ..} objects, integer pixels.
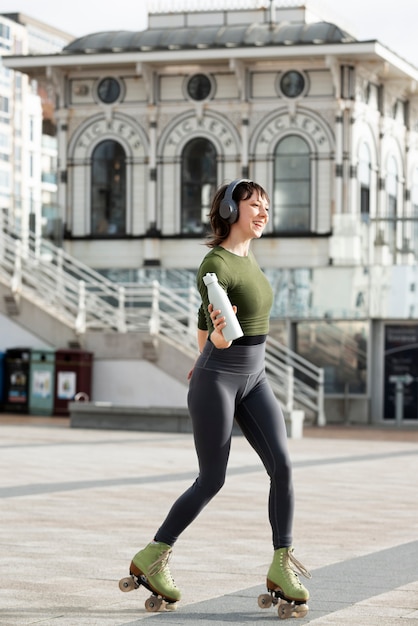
[{"x": 209, "y": 278}]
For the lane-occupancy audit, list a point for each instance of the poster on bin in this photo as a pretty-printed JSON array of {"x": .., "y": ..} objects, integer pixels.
[
  {"x": 41, "y": 384},
  {"x": 17, "y": 392},
  {"x": 66, "y": 385}
]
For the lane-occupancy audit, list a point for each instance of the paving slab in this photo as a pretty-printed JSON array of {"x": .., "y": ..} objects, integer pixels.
[{"x": 75, "y": 505}]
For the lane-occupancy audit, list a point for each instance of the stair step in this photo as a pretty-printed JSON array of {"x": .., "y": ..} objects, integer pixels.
[{"x": 12, "y": 305}]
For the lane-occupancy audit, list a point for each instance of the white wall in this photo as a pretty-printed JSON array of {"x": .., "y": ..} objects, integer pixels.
[
  {"x": 136, "y": 383},
  {"x": 14, "y": 336},
  {"x": 128, "y": 382}
]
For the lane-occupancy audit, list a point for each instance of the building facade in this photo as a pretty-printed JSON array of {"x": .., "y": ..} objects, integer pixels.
[
  {"x": 149, "y": 123},
  {"x": 28, "y": 150}
]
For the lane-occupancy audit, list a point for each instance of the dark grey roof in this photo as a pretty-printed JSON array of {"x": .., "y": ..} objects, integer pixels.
[{"x": 245, "y": 35}]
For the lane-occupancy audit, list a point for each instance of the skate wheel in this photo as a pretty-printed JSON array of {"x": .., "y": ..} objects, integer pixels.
[
  {"x": 127, "y": 584},
  {"x": 171, "y": 606},
  {"x": 301, "y": 610},
  {"x": 265, "y": 601},
  {"x": 285, "y": 610},
  {"x": 153, "y": 604}
]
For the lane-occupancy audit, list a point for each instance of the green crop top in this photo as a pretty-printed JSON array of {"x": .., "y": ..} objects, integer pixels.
[{"x": 246, "y": 285}]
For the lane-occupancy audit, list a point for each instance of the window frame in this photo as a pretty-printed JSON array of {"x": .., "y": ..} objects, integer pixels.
[
  {"x": 282, "y": 76},
  {"x": 194, "y": 76},
  {"x": 310, "y": 182},
  {"x": 392, "y": 208},
  {"x": 364, "y": 167},
  {"x": 194, "y": 182},
  {"x": 120, "y": 95},
  {"x": 93, "y": 186}
]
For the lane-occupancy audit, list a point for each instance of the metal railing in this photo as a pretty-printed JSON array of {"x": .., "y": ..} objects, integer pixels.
[
  {"x": 303, "y": 381},
  {"x": 84, "y": 299}
]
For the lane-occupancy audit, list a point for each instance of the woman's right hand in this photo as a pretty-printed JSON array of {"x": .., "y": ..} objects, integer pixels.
[{"x": 219, "y": 324}]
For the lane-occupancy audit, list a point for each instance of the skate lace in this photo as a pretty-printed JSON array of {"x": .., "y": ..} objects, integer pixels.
[
  {"x": 301, "y": 568},
  {"x": 160, "y": 566}
]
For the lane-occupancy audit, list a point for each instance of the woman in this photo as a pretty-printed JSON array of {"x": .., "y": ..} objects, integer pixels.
[{"x": 227, "y": 381}]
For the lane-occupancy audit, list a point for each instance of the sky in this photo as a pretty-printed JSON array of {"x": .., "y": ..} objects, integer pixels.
[{"x": 393, "y": 24}]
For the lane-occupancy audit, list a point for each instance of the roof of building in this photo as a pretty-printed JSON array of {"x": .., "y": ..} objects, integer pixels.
[
  {"x": 230, "y": 36},
  {"x": 27, "y": 20}
]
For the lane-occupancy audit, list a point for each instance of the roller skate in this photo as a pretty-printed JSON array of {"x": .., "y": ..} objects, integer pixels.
[
  {"x": 284, "y": 587},
  {"x": 149, "y": 568}
]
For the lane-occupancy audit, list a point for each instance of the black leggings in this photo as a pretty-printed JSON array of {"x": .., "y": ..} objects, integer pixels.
[{"x": 224, "y": 384}]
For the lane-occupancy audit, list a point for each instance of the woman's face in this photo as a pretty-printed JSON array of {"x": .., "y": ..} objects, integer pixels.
[{"x": 253, "y": 215}]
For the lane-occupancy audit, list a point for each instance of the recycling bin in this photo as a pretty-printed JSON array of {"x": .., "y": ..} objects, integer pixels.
[
  {"x": 42, "y": 382},
  {"x": 73, "y": 377},
  {"x": 16, "y": 380},
  {"x": 1, "y": 379}
]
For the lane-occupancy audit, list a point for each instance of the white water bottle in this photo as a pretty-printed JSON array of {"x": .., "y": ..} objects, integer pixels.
[{"x": 218, "y": 298}]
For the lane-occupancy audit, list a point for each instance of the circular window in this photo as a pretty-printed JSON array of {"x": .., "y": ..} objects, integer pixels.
[
  {"x": 292, "y": 84},
  {"x": 199, "y": 87},
  {"x": 108, "y": 90}
]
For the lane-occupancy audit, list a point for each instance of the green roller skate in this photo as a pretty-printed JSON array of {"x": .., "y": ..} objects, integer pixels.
[
  {"x": 149, "y": 568},
  {"x": 284, "y": 587}
]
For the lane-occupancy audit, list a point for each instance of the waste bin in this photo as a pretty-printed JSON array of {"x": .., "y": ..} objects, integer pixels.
[
  {"x": 1, "y": 379},
  {"x": 73, "y": 376},
  {"x": 16, "y": 380},
  {"x": 42, "y": 382}
]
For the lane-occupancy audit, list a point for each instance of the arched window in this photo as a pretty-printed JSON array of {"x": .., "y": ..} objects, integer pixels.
[
  {"x": 364, "y": 171},
  {"x": 198, "y": 184},
  {"x": 414, "y": 209},
  {"x": 108, "y": 190},
  {"x": 292, "y": 186},
  {"x": 392, "y": 202}
]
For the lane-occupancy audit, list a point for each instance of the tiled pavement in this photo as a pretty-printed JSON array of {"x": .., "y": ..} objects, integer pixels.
[{"x": 76, "y": 504}]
